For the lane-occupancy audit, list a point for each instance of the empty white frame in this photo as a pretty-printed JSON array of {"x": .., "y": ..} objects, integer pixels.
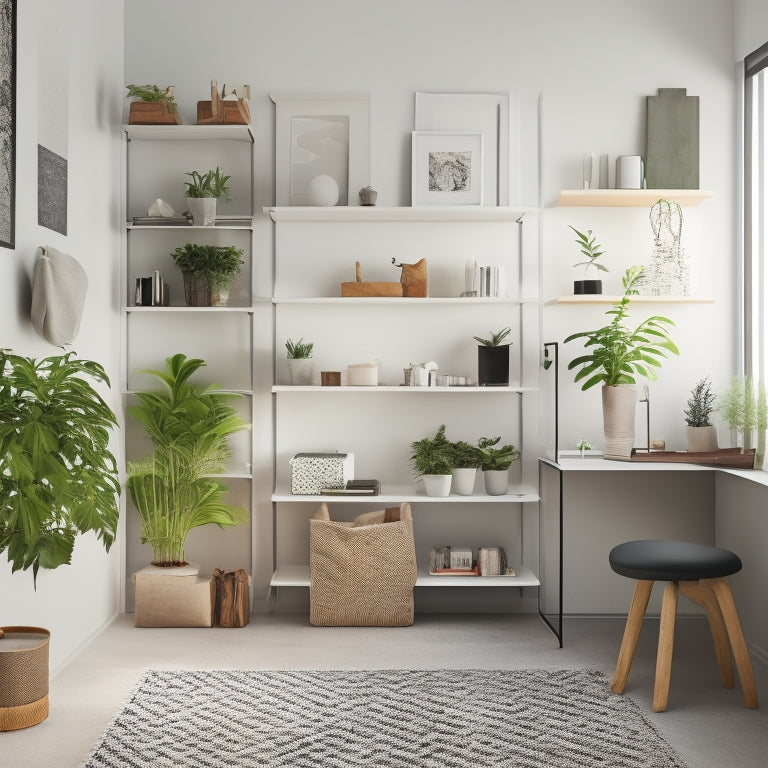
[
  {"x": 321, "y": 134},
  {"x": 446, "y": 168}
]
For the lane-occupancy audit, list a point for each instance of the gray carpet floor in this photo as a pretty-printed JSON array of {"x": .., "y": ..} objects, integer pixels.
[{"x": 709, "y": 726}]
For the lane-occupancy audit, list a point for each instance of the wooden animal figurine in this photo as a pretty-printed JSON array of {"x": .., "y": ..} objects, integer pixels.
[{"x": 414, "y": 278}]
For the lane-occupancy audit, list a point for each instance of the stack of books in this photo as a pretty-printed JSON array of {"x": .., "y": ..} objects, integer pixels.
[{"x": 355, "y": 488}]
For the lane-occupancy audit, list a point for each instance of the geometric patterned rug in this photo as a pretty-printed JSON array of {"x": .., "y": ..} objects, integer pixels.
[{"x": 383, "y": 718}]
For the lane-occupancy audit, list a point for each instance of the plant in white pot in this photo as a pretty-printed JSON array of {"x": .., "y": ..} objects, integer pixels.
[
  {"x": 702, "y": 434},
  {"x": 466, "y": 462},
  {"x": 616, "y": 356},
  {"x": 495, "y": 461},
  {"x": 301, "y": 366},
  {"x": 591, "y": 249},
  {"x": 203, "y": 192},
  {"x": 432, "y": 460},
  {"x": 493, "y": 359}
]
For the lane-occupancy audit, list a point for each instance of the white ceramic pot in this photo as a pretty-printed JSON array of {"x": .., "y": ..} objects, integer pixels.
[
  {"x": 301, "y": 370},
  {"x": 702, "y": 439},
  {"x": 619, "y": 406},
  {"x": 437, "y": 485},
  {"x": 464, "y": 480},
  {"x": 203, "y": 210},
  {"x": 496, "y": 481}
]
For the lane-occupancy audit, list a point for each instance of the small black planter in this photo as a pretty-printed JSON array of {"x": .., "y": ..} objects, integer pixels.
[
  {"x": 587, "y": 286},
  {"x": 493, "y": 366}
]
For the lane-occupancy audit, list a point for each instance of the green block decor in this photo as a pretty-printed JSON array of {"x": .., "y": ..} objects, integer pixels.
[{"x": 672, "y": 154}]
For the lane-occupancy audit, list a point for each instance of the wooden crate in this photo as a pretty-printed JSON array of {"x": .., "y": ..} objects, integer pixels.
[{"x": 152, "y": 113}]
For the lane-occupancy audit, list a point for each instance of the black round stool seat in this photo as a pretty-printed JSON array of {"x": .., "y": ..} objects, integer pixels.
[{"x": 672, "y": 561}]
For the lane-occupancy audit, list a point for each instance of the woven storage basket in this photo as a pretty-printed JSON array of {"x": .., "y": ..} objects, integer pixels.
[
  {"x": 362, "y": 573},
  {"x": 24, "y": 680}
]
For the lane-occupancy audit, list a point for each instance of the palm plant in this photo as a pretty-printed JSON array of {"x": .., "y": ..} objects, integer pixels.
[{"x": 173, "y": 489}]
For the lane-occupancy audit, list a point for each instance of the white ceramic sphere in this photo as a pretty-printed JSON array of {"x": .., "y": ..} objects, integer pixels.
[{"x": 323, "y": 190}]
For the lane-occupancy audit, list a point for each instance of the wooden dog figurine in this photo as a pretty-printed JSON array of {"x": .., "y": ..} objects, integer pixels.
[{"x": 414, "y": 278}]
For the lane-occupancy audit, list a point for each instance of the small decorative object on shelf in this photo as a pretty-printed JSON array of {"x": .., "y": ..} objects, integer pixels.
[
  {"x": 363, "y": 374},
  {"x": 368, "y": 196},
  {"x": 153, "y": 106},
  {"x": 493, "y": 359},
  {"x": 203, "y": 192},
  {"x": 323, "y": 190},
  {"x": 330, "y": 378},
  {"x": 414, "y": 279},
  {"x": 161, "y": 209},
  {"x": 668, "y": 273},
  {"x": 423, "y": 374},
  {"x": 702, "y": 434},
  {"x": 225, "y": 107},
  {"x": 361, "y": 288},
  {"x": 313, "y": 472},
  {"x": 592, "y": 250},
  {"x": 301, "y": 366},
  {"x": 492, "y": 561},
  {"x": 582, "y": 446}
]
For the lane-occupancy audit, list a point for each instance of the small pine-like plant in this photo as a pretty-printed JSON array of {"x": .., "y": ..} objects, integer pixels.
[{"x": 700, "y": 405}]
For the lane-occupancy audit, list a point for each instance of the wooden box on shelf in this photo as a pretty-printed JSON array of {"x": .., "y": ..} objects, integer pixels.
[{"x": 152, "y": 113}]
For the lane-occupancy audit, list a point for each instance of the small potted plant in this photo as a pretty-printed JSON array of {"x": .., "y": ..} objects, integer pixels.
[
  {"x": 592, "y": 250},
  {"x": 203, "y": 191},
  {"x": 432, "y": 460},
  {"x": 152, "y": 105},
  {"x": 702, "y": 434},
  {"x": 495, "y": 461},
  {"x": 493, "y": 359},
  {"x": 208, "y": 272},
  {"x": 466, "y": 462},
  {"x": 300, "y": 363}
]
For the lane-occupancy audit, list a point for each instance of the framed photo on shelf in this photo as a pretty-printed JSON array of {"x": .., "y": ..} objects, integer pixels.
[
  {"x": 446, "y": 168},
  {"x": 321, "y": 135}
]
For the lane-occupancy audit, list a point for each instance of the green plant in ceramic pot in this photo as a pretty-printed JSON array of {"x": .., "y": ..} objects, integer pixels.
[
  {"x": 591, "y": 249},
  {"x": 432, "y": 459},
  {"x": 203, "y": 190},
  {"x": 58, "y": 478},
  {"x": 495, "y": 461},
  {"x": 616, "y": 356},
  {"x": 301, "y": 366},
  {"x": 209, "y": 272},
  {"x": 173, "y": 489},
  {"x": 493, "y": 359},
  {"x": 466, "y": 462},
  {"x": 702, "y": 434}
]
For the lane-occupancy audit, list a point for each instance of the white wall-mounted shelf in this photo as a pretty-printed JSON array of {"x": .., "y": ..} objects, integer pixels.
[
  {"x": 190, "y": 132},
  {"x": 403, "y": 390},
  {"x": 220, "y": 224},
  {"x": 195, "y": 310},
  {"x": 396, "y": 494},
  {"x": 605, "y": 299},
  {"x": 346, "y": 300},
  {"x": 631, "y": 198},
  {"x": 404, "y": 213}
]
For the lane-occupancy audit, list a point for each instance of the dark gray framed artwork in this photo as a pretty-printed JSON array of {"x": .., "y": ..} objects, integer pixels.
[{"x": 7, "y": 122}]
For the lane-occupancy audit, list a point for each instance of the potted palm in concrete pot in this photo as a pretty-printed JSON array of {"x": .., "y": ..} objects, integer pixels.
[
  {"x": 616, "y": 356},
  {"x": 301, "y": 366},
  {"x": 466, "y": 462},
  {"x": 203, "y": 191},
  {"x": 432, "y": 460},
  {"x": 493, "y": 359},
  {"x": 701, "y": 433},
  {"x": 58, "y": 479},
  {"x": 495, "y": 461}
]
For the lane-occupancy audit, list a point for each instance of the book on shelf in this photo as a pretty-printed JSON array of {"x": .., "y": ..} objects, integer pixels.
[
  {"x": 162, "y": 221},
  {"x": 354, "y": 488}
]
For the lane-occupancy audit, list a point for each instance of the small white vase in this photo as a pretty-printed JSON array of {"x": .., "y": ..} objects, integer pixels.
[
  {"x": 437, "y": 485},
  {"x": 203, "y": 210},
  {"x": 464, "y": 480},
  {"x": 301, "y": 370},
  {"x": 496, "y": 481},
  {"x": 702, "y": 439}
]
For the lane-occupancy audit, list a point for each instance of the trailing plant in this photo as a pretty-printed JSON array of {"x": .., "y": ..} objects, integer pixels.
[
  {"x": 151, "y": 94},
  {"x": 58, "y": 477},
  {"x": 209, "y": 184},
  {"x": 619, "y": 354},
  {"x": 465, "y": 455},
  {"x": 218, "y": 265},
  {"x": 298, "y": 350},
  {"x": 495, "y": 339},
  {"x": 493, "y": 458},
  {"x": 432, "y": 455},
  {"x": 172, "y": 489},
  {"x": 589, "y": 248},
  {"x": 701, "y": 404}
]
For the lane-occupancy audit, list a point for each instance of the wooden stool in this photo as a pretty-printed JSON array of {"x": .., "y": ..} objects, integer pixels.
[{"x": 698, "y": 571}]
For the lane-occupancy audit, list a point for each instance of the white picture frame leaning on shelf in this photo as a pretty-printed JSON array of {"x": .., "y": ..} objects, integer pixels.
[
  {"x": 321, "y": 134},
  {"x": 446, "y": 168}
]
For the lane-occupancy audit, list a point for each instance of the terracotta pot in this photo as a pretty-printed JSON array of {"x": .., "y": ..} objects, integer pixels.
[{"x": 619, "y": 406}]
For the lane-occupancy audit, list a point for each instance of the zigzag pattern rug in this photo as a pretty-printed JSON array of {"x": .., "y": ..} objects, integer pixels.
[{"x": 383, "y": 718}]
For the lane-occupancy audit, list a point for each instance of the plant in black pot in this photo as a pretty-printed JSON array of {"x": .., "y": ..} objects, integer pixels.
[
  {"x": 208, "y": 272},
  {"x": 592, "y": 250},
  {"x": 493, "y": 359},
  {"x": 432, "y": 460}
]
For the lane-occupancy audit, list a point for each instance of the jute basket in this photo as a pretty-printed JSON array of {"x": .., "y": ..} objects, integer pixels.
[
  {"x": 23, "y": 680},
  {"x": 362, "y": 573}
]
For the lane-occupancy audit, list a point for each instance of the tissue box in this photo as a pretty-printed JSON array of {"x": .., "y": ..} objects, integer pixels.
[{"x": 311, "y": 472}]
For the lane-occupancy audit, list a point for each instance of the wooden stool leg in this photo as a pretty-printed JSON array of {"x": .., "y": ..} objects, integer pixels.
[
  {"x": 666, "y": 645},
  {"x": 706, "y": 598},
  {"x": 631, "y": 634},
  {"x": 732, "y": 625}
]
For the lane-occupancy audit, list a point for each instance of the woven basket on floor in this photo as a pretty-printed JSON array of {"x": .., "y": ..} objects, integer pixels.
[
  {"x": 23, "y": 680},
  {"x": 362, "y": 573}
]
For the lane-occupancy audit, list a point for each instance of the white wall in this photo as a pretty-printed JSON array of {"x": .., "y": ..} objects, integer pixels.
[
  {"x": 751, "y": 26},
  {"x": 72, "y": 601}
]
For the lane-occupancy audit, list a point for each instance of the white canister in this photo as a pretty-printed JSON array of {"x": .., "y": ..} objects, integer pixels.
[
  {"x": 629, "y": 172},
  {"x": 363, "y": 374}
]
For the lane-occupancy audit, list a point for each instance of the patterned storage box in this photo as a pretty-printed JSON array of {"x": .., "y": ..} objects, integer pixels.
[{"x": 311, "y": 472}]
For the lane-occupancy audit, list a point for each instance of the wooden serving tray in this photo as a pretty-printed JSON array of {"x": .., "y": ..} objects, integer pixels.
[{"x": 723, "y": 457}]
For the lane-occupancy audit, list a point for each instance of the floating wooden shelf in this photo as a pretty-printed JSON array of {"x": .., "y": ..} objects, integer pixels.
[{"x": 631, "y": 198}]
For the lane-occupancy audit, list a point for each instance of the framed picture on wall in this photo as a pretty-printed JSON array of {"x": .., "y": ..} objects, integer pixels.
[
  {"x": 321, "y": 135},
  {"x": 446, "y": 168},
  {"x": 7, "y": 122}
]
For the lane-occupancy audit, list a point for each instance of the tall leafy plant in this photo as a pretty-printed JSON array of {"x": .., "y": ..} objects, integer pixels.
[
  {"x": 173, "y": 490},
  {"x": 58, "y": 478}
]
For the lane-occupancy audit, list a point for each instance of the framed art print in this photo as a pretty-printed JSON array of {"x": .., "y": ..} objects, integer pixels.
[{"x": 446, "y": 168}]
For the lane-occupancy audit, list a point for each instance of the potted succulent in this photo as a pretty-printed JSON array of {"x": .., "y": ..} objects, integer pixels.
[
  {"x": 466, "y": 462},
  {"x": 203, "y": 191},
  {"x": 432, "y": 460},
  {"x": 495, "y": 461},
  {"x": 592, "y": 250},
  {"x": 174, "y": 489},
  {"x": 702, "y": 434},
  {"x": 616, "y": 356},
  {"x": 152, "y": 105},
  {"x": 208, "y": 272},
  {"x": 493, "y": 359},
  {"x": 301, "y": 366}
]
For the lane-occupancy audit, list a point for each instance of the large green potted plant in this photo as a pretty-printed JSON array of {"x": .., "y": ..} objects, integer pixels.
[
  {"x": 432, "y": 459},
  {"x": 202, "y": 191},
  {"x": 208, "y": 272},
  {"x": 175, "y": 489},
  {"x": 495, "y": 461},
  {"x": 616, "y": 356},
  {"x": 58, "y": 479}
]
